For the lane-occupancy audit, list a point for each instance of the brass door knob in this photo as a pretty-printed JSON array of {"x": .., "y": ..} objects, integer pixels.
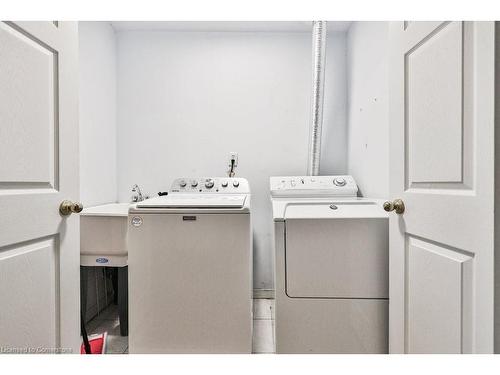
[
  {"x": 396, "y": 205},
  {"x": 67, "y": 207}
]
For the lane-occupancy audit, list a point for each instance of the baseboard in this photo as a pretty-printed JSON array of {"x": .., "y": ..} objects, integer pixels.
[{"x": 263, "y": 293}]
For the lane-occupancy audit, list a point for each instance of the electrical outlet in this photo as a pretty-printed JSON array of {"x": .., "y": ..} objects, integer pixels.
[{"x": 233, "y": 155}]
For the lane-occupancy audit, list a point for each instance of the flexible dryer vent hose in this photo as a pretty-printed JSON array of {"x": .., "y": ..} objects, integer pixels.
[{"x": 318, "y": 83}]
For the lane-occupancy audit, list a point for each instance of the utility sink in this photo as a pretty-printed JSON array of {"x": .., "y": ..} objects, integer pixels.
[
  {"x": 103, "y": 233},
  {"x": 103, "y": 243}
]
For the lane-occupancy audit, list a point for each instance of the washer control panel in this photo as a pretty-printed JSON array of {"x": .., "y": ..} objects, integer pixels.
[
  {"x": 221, "y": 185},
  {"x": 313, "y": 186}
]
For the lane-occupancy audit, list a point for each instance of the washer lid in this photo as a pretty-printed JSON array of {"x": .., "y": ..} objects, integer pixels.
[{"x": 194, "y": 201}]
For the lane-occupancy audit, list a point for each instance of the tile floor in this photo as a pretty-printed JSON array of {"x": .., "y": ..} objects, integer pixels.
[{"x": 263, "y": 328}]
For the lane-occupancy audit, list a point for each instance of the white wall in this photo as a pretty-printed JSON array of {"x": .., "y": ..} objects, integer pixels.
[
  {"x": 334, "y": 131},
  {"x": 97, "y": 113},
  {"x": 187, "y": 99},
  {"x": 368, "y": 107}
]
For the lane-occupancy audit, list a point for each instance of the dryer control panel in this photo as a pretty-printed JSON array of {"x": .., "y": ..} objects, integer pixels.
[
  {"x": 310, "y": 186},
  {"x": 221, "y": 185}
]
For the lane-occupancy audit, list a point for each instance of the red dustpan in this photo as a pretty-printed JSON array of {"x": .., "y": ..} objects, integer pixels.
[
  {"x": 93, "y": 344},
  {"x": 96, "y": 344}
]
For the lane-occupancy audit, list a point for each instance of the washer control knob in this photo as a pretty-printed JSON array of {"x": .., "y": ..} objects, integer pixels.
[
  {"x": 194, "y": 183},
  {"x": 209, "y": 184},
  {"x": 224, "y": 184},
  {"x": 339, "y": 181},
  {"x": 182, "y": 183},
  {"x": 236, "y": 183}
]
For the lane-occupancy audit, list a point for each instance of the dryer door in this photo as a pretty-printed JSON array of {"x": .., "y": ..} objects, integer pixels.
[{"x": 339, "y": 253}]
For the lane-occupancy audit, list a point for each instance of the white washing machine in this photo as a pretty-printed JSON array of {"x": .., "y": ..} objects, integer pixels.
[
  {"x": 190, "y": 269},
  {"x": 332, "y": 260}
]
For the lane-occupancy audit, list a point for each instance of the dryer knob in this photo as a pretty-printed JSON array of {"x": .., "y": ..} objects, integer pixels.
[
  {"x": 236, "y": 183},
  {"x": 209, "y": 184},
  {"x": 182, "y": 183},
  {"x": 224, "y": 184},
  {"x": 194, "y": 183},
  {"x": 339, "y": 181}
]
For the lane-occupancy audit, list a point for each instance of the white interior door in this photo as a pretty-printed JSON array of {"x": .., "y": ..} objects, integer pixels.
[
  {"x": 39, "y": 248},
  {"x": 442, "y": 167}
]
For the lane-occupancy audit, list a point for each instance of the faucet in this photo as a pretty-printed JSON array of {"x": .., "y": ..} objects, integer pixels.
[{"x": 137, "y": 196}]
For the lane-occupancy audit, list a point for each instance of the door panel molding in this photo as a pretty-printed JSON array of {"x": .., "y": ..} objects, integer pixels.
[
  {"x": 32, "y": 269},
  {"x": 433, "y": 167},
  {"x": 30, "y": 159},
  {"x": 439, "y": 299}
]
